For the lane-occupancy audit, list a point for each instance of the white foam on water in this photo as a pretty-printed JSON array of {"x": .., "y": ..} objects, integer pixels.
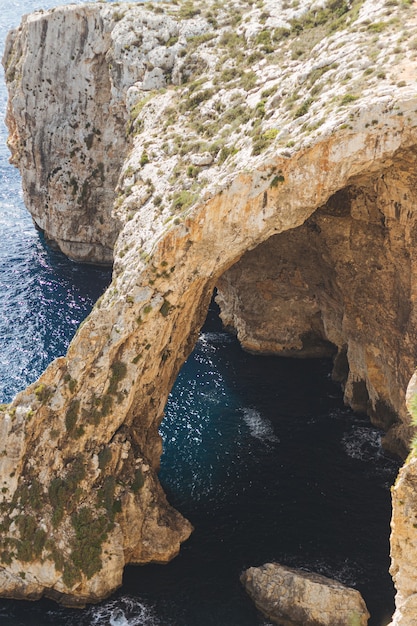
[
  {"x": 259, "y": 427},
  {"x": 362, "y": 443},
  {"x": 210, "y": 337},
  {"x": 123, "y": 611}
]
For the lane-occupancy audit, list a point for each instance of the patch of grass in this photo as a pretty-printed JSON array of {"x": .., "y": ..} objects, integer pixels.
[
  {"x": 144, "y": 159},
  {"x": 262, "y": 140},
  {"x": 377, "y": 27},
  {"x": 347, "y": 99},
  {"x": 188, "y": 11},
  {"x": 248, "y": 80},
  {"x": 90, "y": 533},
  {"x": 193, "y": 101},
  {"x": 43, "y": 393},
  {"x": 183, "y": 199},
  {"x": 303, "y": 108}
]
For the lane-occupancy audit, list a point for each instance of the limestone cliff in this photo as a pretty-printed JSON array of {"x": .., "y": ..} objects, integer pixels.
[{"x": 224, "y": 127}]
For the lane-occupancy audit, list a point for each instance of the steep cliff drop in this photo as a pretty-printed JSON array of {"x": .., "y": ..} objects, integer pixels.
[{"x": 270, "y": 151}]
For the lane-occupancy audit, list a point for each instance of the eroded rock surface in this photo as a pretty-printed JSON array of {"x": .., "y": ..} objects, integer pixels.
[
  {"x": 324, "y": 287},
  {"x": 404, "y": 529},
  {"x": 292, "y": 597},
  {"x": 223, "y": 126}
]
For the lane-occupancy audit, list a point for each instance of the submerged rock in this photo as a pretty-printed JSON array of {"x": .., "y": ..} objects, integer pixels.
[{"x": 293, "y": 597}]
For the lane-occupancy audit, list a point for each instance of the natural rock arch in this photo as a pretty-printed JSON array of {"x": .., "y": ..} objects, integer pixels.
[
  {"x": 102, "y": 404},
  {"x": 81, "y": 445}
]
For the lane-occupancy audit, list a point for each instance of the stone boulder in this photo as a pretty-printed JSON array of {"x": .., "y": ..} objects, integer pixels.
[{"x": 293, "y": 597}]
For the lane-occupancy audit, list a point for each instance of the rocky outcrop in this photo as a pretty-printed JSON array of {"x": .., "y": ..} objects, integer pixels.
[
  {"x": 404, "y": 528},
  {"x": 241, "y": 124},
  {"x": 68, "y": 114},
  {"x": 296, "y": 598}
]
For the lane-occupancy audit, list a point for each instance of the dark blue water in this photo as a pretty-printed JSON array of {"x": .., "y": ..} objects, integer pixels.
[{"x": 260, "y": 453}]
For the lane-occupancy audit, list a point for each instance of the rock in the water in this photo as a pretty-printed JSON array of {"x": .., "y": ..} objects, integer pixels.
[{"x": 293, "y": 597}]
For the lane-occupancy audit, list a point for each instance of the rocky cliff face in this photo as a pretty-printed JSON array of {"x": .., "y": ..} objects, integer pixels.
[
  {"x": 285, "y": 132},
  {"x": 323, "y": 288}
]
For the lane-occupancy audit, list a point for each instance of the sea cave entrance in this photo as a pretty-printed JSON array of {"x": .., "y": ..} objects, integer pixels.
[
  {"x": 262, "y": 453},
  {"x": 267, "y": 462}
]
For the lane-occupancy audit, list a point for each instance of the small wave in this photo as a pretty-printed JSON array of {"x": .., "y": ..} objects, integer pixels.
[
  {"x": 214, "y": 338},
  {"x": 259, "y": 427},
  {"x": 362, "y": 443},
  {"x": 124, "y": 611},
  {"x": 346, "y": 572}
]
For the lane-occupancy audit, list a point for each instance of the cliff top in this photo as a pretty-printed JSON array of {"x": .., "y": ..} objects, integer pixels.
[{"x": 231, "y": 85}]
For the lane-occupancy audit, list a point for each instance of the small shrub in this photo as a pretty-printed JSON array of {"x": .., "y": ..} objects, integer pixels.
[
  {"x": 72, "y": 415},
  {"x": 106, "y": 405},
  {"x": 106, "y": 495},
  {"x": 43, "y": 393},
  {"x": 117, "y": 506},
  {"x": 118, "y": 372},
  {"x": 303, "y": 108},
  {"x": 197, "y": 98},
  {"x": 144, "y": 159},
  {"x": 165, "y": 308},
  {"x": 278, "y": 178},
  {"x": 262, "y": 141},
  {"x": 183, "y": 199},
  {"x": 39, "y": 540},
  {"x": 347, "y": 99},
  {"x": 263, "y": 38},
  {"x": 225, "y": 152},
  {"x": 281, "y": 33},
  {"x": 248, "y": 80},
  {"x": 377, "y": 27}
]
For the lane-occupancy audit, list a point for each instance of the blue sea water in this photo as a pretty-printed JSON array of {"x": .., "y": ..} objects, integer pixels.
[{"x": 259, "y": 452}]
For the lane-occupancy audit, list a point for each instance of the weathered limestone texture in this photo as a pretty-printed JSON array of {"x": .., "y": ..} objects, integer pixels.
[
  {"x": 325, "y": 286},
  {"x": 404, "y": 529},
  {"x": 291, "y": 597},
  {"x": 186, "y": 135}
]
